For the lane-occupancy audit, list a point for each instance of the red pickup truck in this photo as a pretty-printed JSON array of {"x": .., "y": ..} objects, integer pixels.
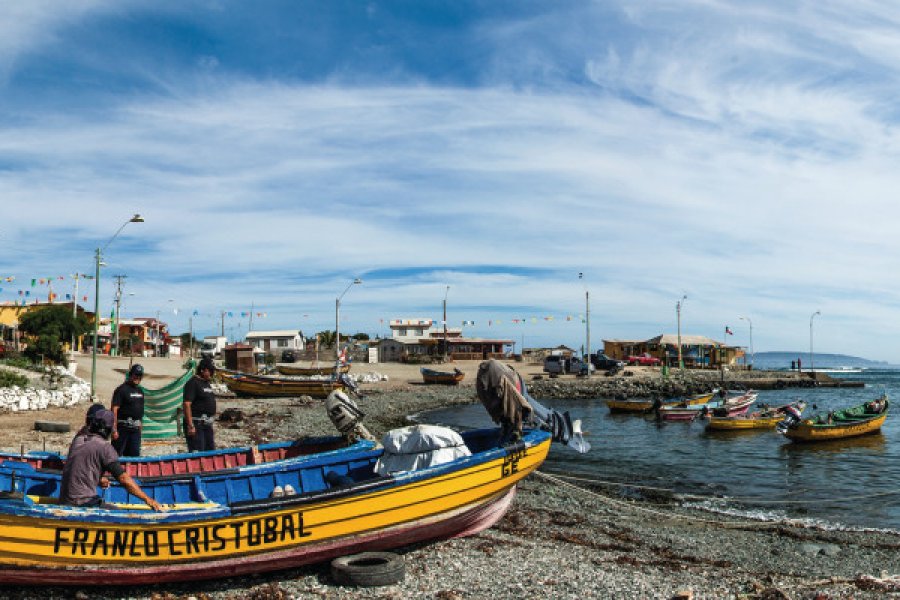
[{"x": 644, "y": 360}]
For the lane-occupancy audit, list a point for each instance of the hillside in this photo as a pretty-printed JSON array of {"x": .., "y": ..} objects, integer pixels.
[{"x": 782, "y": 360}]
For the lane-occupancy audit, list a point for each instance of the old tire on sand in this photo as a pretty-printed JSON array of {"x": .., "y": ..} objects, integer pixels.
[
  {"x": 368, "y": 569},
  {"x": 51, "y": 426}
]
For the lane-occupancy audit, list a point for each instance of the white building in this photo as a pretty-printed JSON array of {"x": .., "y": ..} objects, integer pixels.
[{"x": 272, "y": 341}]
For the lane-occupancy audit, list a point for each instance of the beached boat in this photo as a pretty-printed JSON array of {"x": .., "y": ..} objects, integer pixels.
[
  {"x": 850, "y": 422},
  {"x": 260, "y": 386},
  {"x": 220, "y": 525},
  {"x": 310, "y": 371},
  {"x": 732, "y": 406},
  {"x": 442, "y": 377},
  {"x": 765, "y": 418},
  {"x": 185, "y": 463},
  {"x": 646, "y": 405}
]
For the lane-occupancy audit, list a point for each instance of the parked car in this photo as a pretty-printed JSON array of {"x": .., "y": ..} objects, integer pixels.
[
  {"x": 579, "y": 367},
  {"x": 644, "y": 360},
  {"x": 555, "y": 364},
  {"x": 288, "y": 356},
  {"x": 604, "y": 363}
]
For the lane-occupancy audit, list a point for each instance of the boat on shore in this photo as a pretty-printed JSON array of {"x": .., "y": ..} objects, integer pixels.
[
  {"x": 261, "y": 386},
  {"x": 229, "y": 524},
  {"x": 442, "y": 377},
  {"x": 765, "y": 418},
  {"x": 222, "y": 460},
  {"x": 310, "y": 371},
  {"x": 862, "y": 419}
]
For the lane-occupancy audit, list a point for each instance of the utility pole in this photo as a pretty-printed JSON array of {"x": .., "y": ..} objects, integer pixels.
[
  {"x": 191, "y": 336},
  {"x": 250, "y": 325},
  {"x": 223, "y": 324},
  {"x": 120, "y": 281},
  {"x": 76, "y": 277},
  {"x": 445, "y": 322},
  {"x": 156, "y": 350},
  {"x": 678, "y": 306}
]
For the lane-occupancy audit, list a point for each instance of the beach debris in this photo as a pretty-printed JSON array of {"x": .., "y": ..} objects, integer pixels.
[
  {"x": 231, "y": 415},
  {"x": 684, "y": 594}
]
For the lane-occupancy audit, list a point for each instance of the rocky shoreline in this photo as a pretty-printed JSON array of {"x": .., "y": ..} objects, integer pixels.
[{"x": 562, "y": 538}]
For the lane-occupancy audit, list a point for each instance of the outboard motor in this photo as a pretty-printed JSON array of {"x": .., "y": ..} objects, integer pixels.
[
  {"x": 792, "y": 416},
  {"x": 346, "y": 416}
]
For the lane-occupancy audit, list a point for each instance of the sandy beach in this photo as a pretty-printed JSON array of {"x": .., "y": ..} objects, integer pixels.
[{"x": 563, "y": 538}]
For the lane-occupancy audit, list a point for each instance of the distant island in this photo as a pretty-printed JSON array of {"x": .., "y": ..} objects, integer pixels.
[{"x": 782, "y": 360}]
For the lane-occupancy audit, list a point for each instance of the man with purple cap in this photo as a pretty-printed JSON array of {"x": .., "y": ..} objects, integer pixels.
[{"x": 91, "y": 455}]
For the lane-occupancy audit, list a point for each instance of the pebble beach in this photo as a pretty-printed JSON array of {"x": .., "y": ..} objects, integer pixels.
[{"x": 562, "y": 538}]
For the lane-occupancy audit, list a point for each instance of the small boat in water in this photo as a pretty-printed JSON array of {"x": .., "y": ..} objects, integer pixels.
[
  {"x": 310, "y": 371},
  {"x": 862, "y": 419},
  {"x": 442, "y": 377},
  {"x": 261, "y": 386},
  {"x": 646, "y": 404},
  {"x": 765, "y": 418},
  {"x": 730, "y": 406}
]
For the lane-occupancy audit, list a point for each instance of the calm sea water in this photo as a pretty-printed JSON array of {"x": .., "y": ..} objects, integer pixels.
[{"x": 853, "y": 482}]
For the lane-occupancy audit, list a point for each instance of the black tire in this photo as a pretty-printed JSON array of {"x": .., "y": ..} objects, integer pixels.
[
  {"x": 368, "y": 569},
  {"x": 51, "y": 426}
]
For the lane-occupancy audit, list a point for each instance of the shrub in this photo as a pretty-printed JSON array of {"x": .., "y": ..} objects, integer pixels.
[{"x": 9, "y": 379}]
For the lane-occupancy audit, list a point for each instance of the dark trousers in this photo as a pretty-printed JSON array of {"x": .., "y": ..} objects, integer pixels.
[
  {"x": 128, "y": 442},
  {"x": 202, "y": 440}
]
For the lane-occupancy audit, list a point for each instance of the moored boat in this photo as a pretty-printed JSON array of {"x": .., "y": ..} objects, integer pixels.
[
  {"x": 646, "y": 404},
  {"x": 261, "y": 386},
  {"x": 222, "y": 525},
  {"x": 442, "y": 377},
  {"x": 731, "y": 406},
  {"x": 862, "y": 419},
  {"x": 765, "y": 418}
]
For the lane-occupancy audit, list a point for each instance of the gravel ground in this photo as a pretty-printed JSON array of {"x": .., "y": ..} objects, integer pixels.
[{"x": 557, "y": 541}]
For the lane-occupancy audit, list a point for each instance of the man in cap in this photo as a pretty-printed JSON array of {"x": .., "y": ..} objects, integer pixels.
[
  {"x": 90, "y": 456},
  {"x": 128, "y": 409},
  {"x": 200, "y": 408}
]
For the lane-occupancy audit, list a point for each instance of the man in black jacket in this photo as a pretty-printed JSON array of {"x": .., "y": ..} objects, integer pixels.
[
  {"x": 200, "y": 408},
  {"x": 128, "y": 408}
]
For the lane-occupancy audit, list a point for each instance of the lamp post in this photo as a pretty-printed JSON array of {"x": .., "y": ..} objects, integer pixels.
[
  {"x": 812, "y": 370},
  {"x": 678, "y": 306},
  {"x": 587, "y": 324},
  {"x": 337, "y": 317},
  {"x": 98, "y": 255},
  {"x": 751, "y": 337},
  {"x": 445, "y": 320}
]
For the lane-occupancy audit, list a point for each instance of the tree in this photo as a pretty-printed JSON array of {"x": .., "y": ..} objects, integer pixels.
[
  {"x": 48, "y": 328},
  {"x": 326, "y": 338},
  {"x": 363, "y": 337}
]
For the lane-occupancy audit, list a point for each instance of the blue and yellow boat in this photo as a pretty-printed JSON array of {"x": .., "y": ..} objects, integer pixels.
[{"x": 273, "y": 516}]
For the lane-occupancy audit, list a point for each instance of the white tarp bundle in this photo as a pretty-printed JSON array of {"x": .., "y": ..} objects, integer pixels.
[{"x": 418, "y": 447}]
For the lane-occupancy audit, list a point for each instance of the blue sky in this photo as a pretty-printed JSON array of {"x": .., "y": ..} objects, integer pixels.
[{"x": 741, "y": 153}]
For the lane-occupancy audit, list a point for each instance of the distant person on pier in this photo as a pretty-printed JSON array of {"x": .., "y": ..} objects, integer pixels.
[
  {"x": 128, "y": 408},
  {"x": 200, "y": 408}
]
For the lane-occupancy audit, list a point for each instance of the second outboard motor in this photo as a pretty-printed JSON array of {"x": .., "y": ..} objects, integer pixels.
[{"x": 791, "y": 418}]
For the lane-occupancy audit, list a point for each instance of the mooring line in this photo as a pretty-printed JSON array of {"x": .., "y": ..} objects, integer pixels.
[
  {"x": 747, "y": 524},
  {"x": 744, "y": 499}
]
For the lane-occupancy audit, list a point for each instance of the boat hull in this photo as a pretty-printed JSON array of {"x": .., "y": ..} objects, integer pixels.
[
  {"x": 52, "y": 544},
  {"x": 309, "y": 371},
  {"x": 851, "y": 422},
  {"x": 442, "y": 378},
  {"x": 273, "y": 387}
]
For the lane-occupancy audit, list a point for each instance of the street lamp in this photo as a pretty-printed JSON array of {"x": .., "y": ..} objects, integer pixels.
[
  {"x": 587, "y": 324},
  {"x": 337, "y": 317},
  {"x": 97, "y": 260},
  {"x": 678, "y": 306},
  {"x": 751, "y": 337},
  {"x": 445, "y": 320},
  {"x": 812, "y": 370}
]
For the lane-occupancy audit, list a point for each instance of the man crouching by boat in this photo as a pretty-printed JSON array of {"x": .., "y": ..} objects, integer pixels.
[{"x": 90, "y": 455}]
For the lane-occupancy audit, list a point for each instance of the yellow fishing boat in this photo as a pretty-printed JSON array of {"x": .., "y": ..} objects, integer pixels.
[
  {"x": 227, "y": 524},
  {"x": 857, "y": 420}
]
